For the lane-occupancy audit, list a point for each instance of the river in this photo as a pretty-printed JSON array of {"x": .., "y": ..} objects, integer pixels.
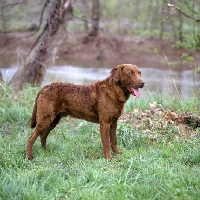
[{"x": 183, "y": 83}]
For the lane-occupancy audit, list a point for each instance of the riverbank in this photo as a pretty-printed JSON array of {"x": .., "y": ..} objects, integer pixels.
[{"x": 145, "y": 51}]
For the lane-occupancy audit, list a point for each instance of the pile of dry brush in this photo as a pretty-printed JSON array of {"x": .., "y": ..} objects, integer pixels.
[{"x": 158, "y": 122}]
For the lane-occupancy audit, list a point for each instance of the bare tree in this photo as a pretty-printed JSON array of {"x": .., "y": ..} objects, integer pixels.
[
  {"x": 46, "y": 46},
  {"x": 95, "y": 18},
  {"x": 1, "y": 78},
  {"x": 179, "y": 10},
  {"x": 85, "y": 9},
  {"x": 3, "y": 19},
  {"x": 162, "y": 22},
  {"x": 194, "y": 16},
  {"x": 3, "y": 24},
  {"x": 180, "y": 28}
]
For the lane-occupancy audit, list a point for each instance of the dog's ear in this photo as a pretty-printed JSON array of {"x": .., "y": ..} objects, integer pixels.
[{"x": 116, "y": 73}]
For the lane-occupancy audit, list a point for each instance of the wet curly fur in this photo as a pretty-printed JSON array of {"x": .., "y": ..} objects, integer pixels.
[{"x": 101, "y": 102}]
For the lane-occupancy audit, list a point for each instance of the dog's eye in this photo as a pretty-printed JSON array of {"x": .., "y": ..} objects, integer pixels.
[{"x": 130, "y": 72}]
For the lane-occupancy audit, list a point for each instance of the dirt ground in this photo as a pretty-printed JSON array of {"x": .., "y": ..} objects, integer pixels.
[{"x": 111, "y": 50}]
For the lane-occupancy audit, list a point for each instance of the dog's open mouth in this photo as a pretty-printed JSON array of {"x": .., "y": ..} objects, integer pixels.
[{"x": 134, "y": 92}]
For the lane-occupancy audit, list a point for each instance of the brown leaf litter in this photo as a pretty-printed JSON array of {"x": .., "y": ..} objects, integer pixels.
[{"x": 156, "y": 122}]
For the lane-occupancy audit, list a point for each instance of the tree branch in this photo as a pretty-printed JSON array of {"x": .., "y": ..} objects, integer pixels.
[
  {"x": 12, "y": 4},
  {"x": 182, "y": 12},
  {"x": 41, "y": 19}
]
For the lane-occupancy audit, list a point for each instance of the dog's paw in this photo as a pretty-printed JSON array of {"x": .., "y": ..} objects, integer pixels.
[
  {"x": 119, "y": 152},
  {"x": 29, "y": 157},
  {"x": 116, "y": 150}
]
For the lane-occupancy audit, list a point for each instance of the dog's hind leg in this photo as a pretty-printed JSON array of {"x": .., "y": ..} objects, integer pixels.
[
  {"x": 44, "y": 135},
  {"x": 40, "y": 128}
]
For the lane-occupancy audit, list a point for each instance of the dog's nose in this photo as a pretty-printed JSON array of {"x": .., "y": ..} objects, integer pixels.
[{"x": 142, "y": 83}]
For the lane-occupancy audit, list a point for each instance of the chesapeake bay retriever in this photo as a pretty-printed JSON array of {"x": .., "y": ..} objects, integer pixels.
[{"x": 101, "y": 102}]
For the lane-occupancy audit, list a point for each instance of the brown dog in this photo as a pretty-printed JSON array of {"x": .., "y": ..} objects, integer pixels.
[{"x": 101, "y": 102}]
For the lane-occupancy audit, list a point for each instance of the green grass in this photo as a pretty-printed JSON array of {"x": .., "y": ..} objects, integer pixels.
[
  {"x": 175, "y": 103},
  {"x": 74, "y": 168}
]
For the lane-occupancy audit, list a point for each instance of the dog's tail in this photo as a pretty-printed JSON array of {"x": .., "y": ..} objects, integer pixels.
[{"x": 33, "y": 117}]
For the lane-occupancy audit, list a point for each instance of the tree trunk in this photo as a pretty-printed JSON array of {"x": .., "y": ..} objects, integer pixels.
[
  {"x": 3, "y": 28},
  {"x": 46, "y": 46},
  {"x": 3, "y": 19},
  {"x": 85, "y": 10},
  {"x": 180, "y": 27},
  {"x": 162, "y": 22},
  {"x": 1, "y": 78},
  {"x": 146, "y": 22},
  {"x": 95, "y": 18}
]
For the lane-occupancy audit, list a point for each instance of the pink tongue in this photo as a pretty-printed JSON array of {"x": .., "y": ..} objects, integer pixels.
[{"x": 137, "y": 93}]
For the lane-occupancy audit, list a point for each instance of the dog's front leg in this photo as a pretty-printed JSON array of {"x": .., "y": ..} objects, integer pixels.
[{"x": 105, "y": 139}]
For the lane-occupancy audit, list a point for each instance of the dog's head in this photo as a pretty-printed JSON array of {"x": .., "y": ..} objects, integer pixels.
[{"x": 129, "y": 77}]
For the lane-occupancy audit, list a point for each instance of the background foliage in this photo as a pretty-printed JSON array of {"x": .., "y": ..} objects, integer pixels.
[{"x": 151, "y": 17}]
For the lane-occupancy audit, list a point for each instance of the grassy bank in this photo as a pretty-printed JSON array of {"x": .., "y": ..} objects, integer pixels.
[{"x": 162, "y": 167}]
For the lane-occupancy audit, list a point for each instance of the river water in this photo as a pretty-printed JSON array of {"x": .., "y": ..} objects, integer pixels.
[{"x": 183, "y": 83}]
